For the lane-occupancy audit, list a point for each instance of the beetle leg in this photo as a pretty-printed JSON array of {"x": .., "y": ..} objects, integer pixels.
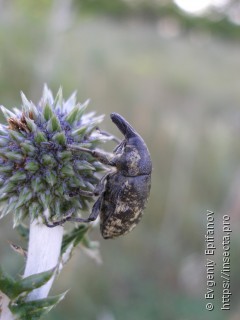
[
  {"x": 97, "y": 205},
  {"x": 59, "y": 222},
  {"x": 82, "y": 193},
  {"x": 107, "y": 134},
  {"x": 94, "y": 214},
  {"x": 99, "y": 189},
  {"x": 100, "y": 156},
  {"x": 120, "y": 146},
  {"x": 96, "y": 192}
]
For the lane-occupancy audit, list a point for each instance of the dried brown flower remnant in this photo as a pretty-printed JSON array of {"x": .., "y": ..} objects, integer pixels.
[{"x": 18, "y": 124}]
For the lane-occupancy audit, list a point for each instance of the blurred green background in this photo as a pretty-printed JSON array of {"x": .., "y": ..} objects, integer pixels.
[{"x": 174, "y": 74}]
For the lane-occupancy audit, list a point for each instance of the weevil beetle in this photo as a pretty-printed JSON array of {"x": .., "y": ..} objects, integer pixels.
[{"x": 123, "y": 193}]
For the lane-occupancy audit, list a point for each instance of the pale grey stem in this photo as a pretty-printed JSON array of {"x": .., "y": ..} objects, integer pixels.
[
  {"x": 43, "y": 254},
  {"x": 5, "y": 313}
]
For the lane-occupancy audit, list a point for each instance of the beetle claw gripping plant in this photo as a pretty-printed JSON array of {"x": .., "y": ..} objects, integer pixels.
[{"x": 37, "y": 175}]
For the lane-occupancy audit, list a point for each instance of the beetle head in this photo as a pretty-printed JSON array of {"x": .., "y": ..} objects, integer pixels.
[{"x": 133, "y": 155}]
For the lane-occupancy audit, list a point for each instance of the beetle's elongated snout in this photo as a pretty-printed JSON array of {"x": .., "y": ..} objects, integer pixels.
[{"x": 126, "y": 129}]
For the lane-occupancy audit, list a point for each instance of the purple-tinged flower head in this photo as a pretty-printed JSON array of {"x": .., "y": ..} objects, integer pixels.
[{"x": 37, "y": 171}]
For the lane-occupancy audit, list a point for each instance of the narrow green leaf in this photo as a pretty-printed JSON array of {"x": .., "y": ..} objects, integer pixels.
[
  {"x": 48, "y": 160},
  {"x": 35, "y": 281},
  {"x": 71, "y": 101},
  {"x": 27, "y": 148},
  {"x": 18, "y": 177},
  {"x": 12, "y": 199},
  {"x": 5, "y": 210},
  {"x": 58, "y": 103},
  {"x": 96, "y": 121},
  {"x": 65, "y": 155},
  {"x": 76, "y": 113},
  {"x": 3, "y": 150},
  {"x": 1, "y": 182},
  {"x": 84, "y": 145},
  {"x": 3, "y": 130},
  {"x": 72, "y": 116},
  {"x": 14, "y": 156},
  {"x": 74, "y": 237},
  {"x": 83, "y": 165},
  {"x": 89, "y": 185},
  {"x": 24, "y": 196},
  {"x": 82, "y": 108},
  {"x": 26, "y": 103},
  {"x": 76, "y": 182},
  {"x": 8, "y": 187},
  {"x": 59, "y": 190},
  {"x": 54, "y": 124},
  {"x": 3, "y": 196},
  {"x": 47, "y": 112},
  {"x": 40, "y": 137},
  {"x": 57, "y": 209},
  {"x": 91, "y": 248},
  {"x": 43, "y": 199},
  {"x": 11, "y": 205},
  {"x": 51, "y": 177},
  {"x": 79, "y": 131},
  {"x": 89, "y": 244},
  {"x": 33, "y": 310},
  {"x": 34, "y": 112},
  {"x": 31, "y": 166},
  {"x": 7, "y": 113},
  {"x": 47, "y": 95},
  {"x": 31, "y": 125},
  {"x": 60, "y": 138},
  {"x": 99, "y": 166},
  {"x": 16, "y": 135},
  {"x": 20, "y": 214},
  {"x": 13, "y": 288},
  {"x": 67, "y": 171},
  {"x": 38, "y": 184},
  {"x": 34, "y": 209},
  {"x": 3, "y": 142},
  {"x": 6, "y": 168},
  {"x": 8, "y": 285}
]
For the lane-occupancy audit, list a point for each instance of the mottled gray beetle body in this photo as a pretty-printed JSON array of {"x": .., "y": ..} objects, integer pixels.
[
  {"x": 127, "y": 189},
  {"x": 123, "y": 193},
  {"x": 123, "y": 202}
]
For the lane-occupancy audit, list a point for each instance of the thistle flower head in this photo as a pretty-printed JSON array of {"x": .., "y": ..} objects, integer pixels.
[{"x": 37, "y": 171}]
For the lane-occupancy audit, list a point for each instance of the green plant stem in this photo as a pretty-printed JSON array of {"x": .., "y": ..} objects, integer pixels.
[{"x": 43, "y": 254}]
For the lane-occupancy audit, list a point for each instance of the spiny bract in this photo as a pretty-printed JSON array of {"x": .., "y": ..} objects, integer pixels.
[{"x": 37, "y": 172}]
